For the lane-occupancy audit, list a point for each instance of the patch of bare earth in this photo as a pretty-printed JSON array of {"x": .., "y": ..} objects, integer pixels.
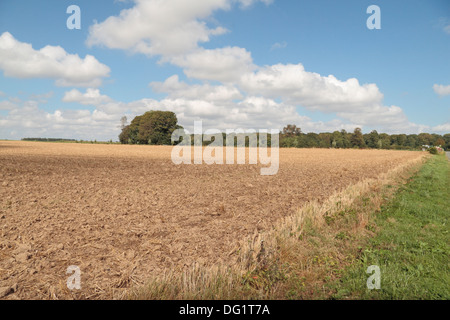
[{"x": 125, "y": 213}]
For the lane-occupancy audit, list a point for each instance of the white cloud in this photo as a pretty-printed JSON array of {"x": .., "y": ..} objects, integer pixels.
[
  {"x": 155, "y": 27},
  {"x": 250, "y": 113},
  {"x": 166, "y": 28},
  {"x": 378, "y": 115},
  {"x": 90, "y": 97},
  {"x": 248, "y": 3},
  {"x": 224, "y": 64},
  {"x": 311, "y": 90},
  {"x": 20, "y": 60},
  {"x": 278, "y": 45},
  {"x": 7, "y": 105},
  {"x": 206, "y": 92},
  {"x": 442, "y": 128},
  {"x": 441, "y": 90},
  {"x": 29, "y": 120},
  {"x": 354, "y": 104}
]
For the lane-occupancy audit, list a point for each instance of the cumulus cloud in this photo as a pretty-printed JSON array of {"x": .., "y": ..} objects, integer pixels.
[
  {"x": 20, "y": 60},
  {"x": 441, "y": 90},
  {"x": 442, "y": 128},
  {"x": 223, "y": 64},
  {"x": 30, "y": 120},
  {"x": 378, "y": 115},
  {"x": 292, "y": 84},
  {"x": 165, "y": 28},
  {"x": 311, "y": 90},
  {"x": 90, "y": 97},
  {"x": 176, "y": 89},
  {"x": 154, "y": 27},
  {"x": 250, "y": 113}
]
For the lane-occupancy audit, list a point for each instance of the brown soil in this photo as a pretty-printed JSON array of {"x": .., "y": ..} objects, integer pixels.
[{"x": 125, "y": 213}]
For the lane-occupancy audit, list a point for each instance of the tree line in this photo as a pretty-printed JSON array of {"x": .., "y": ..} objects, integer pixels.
[
  {"x": 156, "y": 127},
  {"x": 292, "y": 136},
  {"x": 48, "y": 139}
]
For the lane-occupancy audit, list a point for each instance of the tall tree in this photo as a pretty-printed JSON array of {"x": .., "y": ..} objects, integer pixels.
[
  {"x": 123, "y": 122},
  {"x": 372, "y": 139},
  {"x": 346, "y": 139},
  {"x": 357, "y": 139},
  {"x": 291, "y": 130}
]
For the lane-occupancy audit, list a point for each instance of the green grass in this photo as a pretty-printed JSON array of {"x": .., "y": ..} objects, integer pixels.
[{"x": 411, "y": 246}]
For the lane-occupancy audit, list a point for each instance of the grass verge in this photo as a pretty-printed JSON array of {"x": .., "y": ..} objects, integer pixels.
[{"x": 412, "y": 245}]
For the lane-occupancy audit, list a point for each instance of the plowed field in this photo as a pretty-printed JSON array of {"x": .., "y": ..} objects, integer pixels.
[{"x": 125, "y": 213}]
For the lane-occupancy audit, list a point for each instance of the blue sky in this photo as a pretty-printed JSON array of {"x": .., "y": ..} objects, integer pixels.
[{"x": 232, "y": 63}]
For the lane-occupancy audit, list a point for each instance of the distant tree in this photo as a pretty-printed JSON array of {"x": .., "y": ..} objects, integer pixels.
[
  {"x": 411, "y": 141},
  {"x": 288, "y": 142},
  {"x": 357, "y": 139},
  {"x": 346, "y": 139},
  {"x": 425, "y": 139},
  {"x": 379, "y": 144},
  {"x": 385, "y": 140},
  {"x": 312, "y": 140},
  {"x": 401, "y": 140},
  {"x": 123, "y": 122},
  {"x": 446, "y": 138},
  {"x": 291, "y": 130},
  {"x": 325, "y": 140},
  {"x": 124, "y": 136},
  {"x": 153, "y": 127},
  {"x": 336, "y": 140},
  {"x": 434, "y": 138},
  {"x": 371, "y": 139},
  {"x": 439, "y": 142}
]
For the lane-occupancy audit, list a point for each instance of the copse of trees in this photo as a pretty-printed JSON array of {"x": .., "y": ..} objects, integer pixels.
[{"x": 153, "y": 127}]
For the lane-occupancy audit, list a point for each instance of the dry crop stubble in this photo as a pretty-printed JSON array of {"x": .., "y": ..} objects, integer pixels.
[{"x": 124, "y": 214}]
